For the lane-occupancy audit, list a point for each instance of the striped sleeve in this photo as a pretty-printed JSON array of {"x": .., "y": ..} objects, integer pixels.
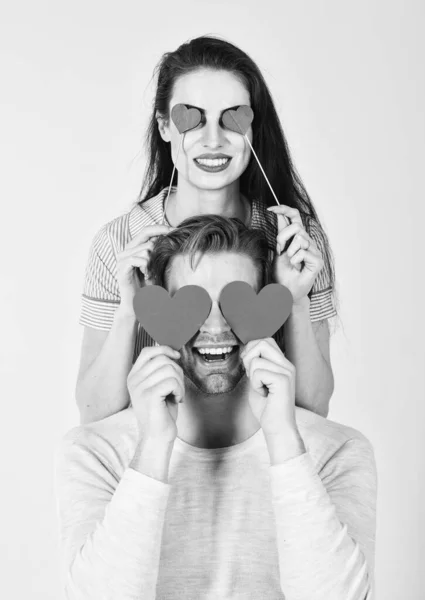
[
  {"x": 321, "y": 296},
  {"x": 101, "y": 295}
]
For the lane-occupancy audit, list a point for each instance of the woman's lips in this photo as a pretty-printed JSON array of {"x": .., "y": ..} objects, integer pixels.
[{"x": 212, "y": 165}]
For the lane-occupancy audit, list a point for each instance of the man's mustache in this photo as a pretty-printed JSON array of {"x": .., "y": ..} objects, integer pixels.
[{"x": 228, "y": 338}]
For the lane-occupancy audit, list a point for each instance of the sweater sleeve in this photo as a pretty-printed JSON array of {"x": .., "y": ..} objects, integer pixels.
[
  {"x": 326, "y": 524},
  {"x": 110, "y": 530}
]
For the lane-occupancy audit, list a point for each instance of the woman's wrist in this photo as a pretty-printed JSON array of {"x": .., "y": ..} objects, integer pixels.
[
  {"x": 125, "y": 312},
  {"x": 302, "y": 305}
]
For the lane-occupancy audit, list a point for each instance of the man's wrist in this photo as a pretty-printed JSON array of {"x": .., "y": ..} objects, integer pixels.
[
  {"x": 285, "y": 445},
  {"x": 152, "y": 458}
]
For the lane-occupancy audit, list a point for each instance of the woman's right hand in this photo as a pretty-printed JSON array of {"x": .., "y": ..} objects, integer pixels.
[
  {"x": 133, "y": 261},
  {"x": 156, "y": 387}
]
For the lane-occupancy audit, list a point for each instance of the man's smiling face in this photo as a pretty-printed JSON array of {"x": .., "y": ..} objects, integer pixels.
[{"x": 211, "y": 360}]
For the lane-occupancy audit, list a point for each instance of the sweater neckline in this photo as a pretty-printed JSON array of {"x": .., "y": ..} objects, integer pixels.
[{"x": 226, "y": 452}]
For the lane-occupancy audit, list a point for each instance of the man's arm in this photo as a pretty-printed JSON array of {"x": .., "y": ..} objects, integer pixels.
[
  {"x": 110, "y": 529},
  {"x": 326, "y": 524}
]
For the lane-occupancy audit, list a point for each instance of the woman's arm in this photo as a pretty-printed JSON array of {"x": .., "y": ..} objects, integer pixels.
[
  {"x": 112, "y": 280},
  {"x": 106, "y": 360},
  {"x": 307, "y": 348}
]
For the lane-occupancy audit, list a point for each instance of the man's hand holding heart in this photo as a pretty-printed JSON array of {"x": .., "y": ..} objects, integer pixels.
[{"x": 272, "y": 397}]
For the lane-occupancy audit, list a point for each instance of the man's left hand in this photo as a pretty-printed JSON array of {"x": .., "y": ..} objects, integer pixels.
[
  {"x": 272, "y": 398},
  {"x": 272, "y": 377}
]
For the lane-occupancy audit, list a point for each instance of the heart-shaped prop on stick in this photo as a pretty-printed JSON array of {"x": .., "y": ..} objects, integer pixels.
[
  {"x": 172, "y": 321},
  {"x": 238, "y": 120},
  {"x": 253, "y": 316},
  {"x": 185, "y": 118}
]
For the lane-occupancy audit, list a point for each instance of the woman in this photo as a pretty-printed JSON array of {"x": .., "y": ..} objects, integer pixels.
[{"x": 215, "y": 173}]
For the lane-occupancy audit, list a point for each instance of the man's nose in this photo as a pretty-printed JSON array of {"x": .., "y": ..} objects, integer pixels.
[
  {"x": 215, "y": 322},
  {"x": 212, "y": 135}
]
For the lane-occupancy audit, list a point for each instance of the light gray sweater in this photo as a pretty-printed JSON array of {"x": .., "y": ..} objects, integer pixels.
[{"x": 227, "y": 525}]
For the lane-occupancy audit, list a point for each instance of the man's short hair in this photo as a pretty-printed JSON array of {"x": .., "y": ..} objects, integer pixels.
[{"x": 209, "y": 234}]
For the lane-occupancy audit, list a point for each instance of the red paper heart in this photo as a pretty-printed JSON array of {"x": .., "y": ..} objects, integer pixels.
[
  {"x": 185, "y": 118},
  {"x": 238, "y": 120},
  {"x": 253, "y": 316},
  {"x": 172, "y": 321}
]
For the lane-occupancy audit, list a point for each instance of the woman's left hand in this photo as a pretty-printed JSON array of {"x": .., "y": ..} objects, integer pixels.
[{"x": 298, "y": 266}]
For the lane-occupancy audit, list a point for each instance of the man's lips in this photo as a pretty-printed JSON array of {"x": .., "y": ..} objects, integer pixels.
[{"x": 215, "y": 353}]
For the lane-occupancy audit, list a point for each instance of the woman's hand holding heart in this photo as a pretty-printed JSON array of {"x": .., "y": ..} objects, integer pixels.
[{"x": 296, "y": 267}]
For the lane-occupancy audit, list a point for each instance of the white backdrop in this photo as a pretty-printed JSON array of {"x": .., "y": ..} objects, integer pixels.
[{"x": 347, "y": 79}]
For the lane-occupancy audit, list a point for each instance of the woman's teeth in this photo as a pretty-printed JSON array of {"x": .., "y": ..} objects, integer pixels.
[{"x": 212, "y": 162}]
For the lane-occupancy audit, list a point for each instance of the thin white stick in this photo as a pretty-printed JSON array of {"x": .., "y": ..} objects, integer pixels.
[
  {"x": 172, "y": 177},
  {"x": 262, "y": 170},
  {"x": 256, "y": 157}
]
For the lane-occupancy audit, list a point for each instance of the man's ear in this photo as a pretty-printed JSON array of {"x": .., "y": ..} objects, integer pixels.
[{"x": 163, "y": 127}]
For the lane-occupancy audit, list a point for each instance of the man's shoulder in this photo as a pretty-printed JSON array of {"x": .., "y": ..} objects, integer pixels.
[
  {"x": 110, "y": 442},
  {"x": 326, "y": 439}
]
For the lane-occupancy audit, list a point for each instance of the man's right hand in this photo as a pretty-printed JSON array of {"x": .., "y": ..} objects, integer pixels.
[
  {"x": 133, "y": 261},
  {"x": 156, "y": 386}
]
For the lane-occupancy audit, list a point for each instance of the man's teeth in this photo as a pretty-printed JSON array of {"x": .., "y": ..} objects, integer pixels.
[
  {"x": 212, "y": 162},
  {"x": 215, "y": 350}
]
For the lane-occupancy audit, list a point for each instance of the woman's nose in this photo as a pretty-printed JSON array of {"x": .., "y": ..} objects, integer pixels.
[
  {"x": 215, "y": 322},
  {"x": 213, "y": 134}
]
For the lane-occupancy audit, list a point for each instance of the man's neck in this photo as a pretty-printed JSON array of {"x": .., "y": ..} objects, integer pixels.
[
  {"x": 188, "y": 200},
  {"x": 216, "y": 420}
]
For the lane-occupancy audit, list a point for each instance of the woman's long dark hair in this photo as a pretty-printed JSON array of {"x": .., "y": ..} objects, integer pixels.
[{"x": 268, "y": 138}]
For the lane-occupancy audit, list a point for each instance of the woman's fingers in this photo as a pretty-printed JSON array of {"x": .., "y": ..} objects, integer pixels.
[
  {"x": 138, "y": 250},
  {"x": 286, "y": 234},
  {"x": 312, "y": 261},
  {"x": 147, "y": 233},
  {"x": 287, "y": 211},
  {"x": 300, "y": 241}
]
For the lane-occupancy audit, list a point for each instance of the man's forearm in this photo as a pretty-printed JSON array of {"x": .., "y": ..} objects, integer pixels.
[
  {"x": 152, "y": 458},
  {"x": 112, "y": 547},
  {"x": 320, "y": 556},
  {"x": 102, "y": 389},
  {"x": 314, "y": 378}
]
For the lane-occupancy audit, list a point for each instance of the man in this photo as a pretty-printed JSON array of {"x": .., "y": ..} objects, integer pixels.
[{"x": 213, "y": 484}]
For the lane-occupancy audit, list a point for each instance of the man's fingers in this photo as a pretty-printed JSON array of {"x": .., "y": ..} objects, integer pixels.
[
  {"x": 167, "y": 384},
  {"x": 151, "y": 352},
  {"x": 265, "y": 364},
  {"x": 267, "y": 349},
  {"x": 155, "y": 364},
  {"x": 166, "y": 371}
]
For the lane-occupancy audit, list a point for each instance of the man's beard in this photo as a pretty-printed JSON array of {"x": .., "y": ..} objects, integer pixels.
[{"x": 216, "y": 383}]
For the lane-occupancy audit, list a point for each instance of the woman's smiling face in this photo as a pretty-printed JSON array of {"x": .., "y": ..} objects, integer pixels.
[{"x": 211, "y": 157}]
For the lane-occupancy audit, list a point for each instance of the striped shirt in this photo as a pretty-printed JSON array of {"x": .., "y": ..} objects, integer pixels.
[{"x": 101, "y": 294}]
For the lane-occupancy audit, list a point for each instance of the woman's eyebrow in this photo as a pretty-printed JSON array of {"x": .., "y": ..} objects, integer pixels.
[{"x": 221, "y": 113}]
